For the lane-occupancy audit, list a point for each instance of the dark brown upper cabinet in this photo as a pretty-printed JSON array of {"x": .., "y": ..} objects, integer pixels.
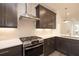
[
  {"x": 47, "y": 18},
  {"x": 8, "y": 15}
]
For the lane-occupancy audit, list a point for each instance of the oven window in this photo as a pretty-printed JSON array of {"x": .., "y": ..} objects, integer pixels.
[{"x": 34, "y": 51}]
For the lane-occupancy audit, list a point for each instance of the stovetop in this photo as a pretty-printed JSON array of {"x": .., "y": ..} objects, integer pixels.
[{"x": 30, "y": 38}]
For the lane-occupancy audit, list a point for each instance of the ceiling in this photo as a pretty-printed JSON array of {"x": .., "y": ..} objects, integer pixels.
[{"x": 72, "y": 9}]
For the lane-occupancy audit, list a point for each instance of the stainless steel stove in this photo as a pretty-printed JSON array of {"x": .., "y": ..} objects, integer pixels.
[{"x": 32, "y": 45}]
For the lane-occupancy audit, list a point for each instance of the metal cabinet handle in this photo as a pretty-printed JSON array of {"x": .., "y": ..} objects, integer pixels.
[
  {"x": 33, "y": 47},
  {"x": 4, "y": 52}
]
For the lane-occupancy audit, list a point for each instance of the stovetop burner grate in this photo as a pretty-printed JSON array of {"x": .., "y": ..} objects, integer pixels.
[{"x": 30, "y": 38}]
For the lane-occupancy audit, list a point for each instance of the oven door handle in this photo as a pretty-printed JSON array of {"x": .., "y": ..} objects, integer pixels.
[{"x": 33, "y": 47}]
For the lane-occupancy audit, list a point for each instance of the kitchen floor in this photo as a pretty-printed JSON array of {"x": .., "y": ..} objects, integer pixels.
[{"x": 56, "y": 53}]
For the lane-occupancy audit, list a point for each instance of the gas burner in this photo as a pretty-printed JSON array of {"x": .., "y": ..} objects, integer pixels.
[{"x": 30, "y": 38}]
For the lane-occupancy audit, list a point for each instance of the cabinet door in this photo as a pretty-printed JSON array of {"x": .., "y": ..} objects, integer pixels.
[
  {"x": 2, "y": 14},
  {"x": 49, "y": 46},
  {"x": 47, "y": 18},
  {"x": 12, "y": 51},
  {"x": 58, "y": 43},
  {"x": 38, "y": 15},
  {"x": 74, "y": 47},
  {"x": 10, "y": 15},
  {"x": 62, "y": 45}
]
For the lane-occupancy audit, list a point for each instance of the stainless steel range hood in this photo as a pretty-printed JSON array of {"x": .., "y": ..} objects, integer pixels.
[{"x": 27, "y": 15}]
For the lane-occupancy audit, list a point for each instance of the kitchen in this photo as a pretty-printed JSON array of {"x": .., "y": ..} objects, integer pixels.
[{"x": 45, "y": 29}]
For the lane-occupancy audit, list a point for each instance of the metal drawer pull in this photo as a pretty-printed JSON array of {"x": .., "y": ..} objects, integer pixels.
[
  {"x": 4, "y": 52},
  {"x": 33, "y": 46}
]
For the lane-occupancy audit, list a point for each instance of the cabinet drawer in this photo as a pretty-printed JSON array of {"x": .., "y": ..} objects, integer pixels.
[{"x": 12, "y": 51}]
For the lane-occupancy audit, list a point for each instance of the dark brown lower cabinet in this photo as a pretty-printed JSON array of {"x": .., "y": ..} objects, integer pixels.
[
  {"x": 12, "y": 51},
  {"x": 49, "y": 46},
  {"x": 63, "y": 45},
  {"x": 69, "y": 47},
  {"x": 75, "y": 48}
]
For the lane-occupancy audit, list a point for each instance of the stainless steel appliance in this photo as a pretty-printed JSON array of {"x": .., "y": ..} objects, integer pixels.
[{"x": 32, "y": 45}]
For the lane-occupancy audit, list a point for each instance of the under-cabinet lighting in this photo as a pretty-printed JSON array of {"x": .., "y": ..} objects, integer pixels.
[
  {"x": 39, "y": 29},
  {"x": 43, "y": 30},
  {"x": 7, "y": 29}
]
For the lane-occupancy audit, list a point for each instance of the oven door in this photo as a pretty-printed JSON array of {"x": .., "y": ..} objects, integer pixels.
[{"x": 36, "y": 50}]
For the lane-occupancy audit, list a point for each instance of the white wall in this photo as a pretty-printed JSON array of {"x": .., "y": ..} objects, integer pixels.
[
  {"x": 66, "y": 28},
  {"x": 8, "y": 33},
  {"x": 26, "y": 27}
]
